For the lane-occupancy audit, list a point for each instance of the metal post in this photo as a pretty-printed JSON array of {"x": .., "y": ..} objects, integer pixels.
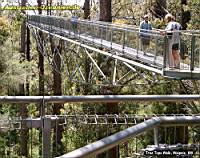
[
  {"x": 166, "y": 52},
  {"x": 79, "y": 30},
  {"x": 199, "y": 149},
  {"x": 93, "y": 33},
  {"x": 112, "y": 38},
  {"x": 114, "y": 73},
  {"x": 175, "y": 138},
  {"x": 192, "y": 52},
  {"x": 165, "y": 134},
  {"x": 106, "y": 32},
  {"x": 46, "y": 137},
  {"x": 184, "y": 134},
  {"x": 156, "y": 48},
  {"x": 70, "y": 26},
  {"x": 101, "y": 31},
  {"x": 138, "y": 43},
  {"x": 31, "y": 138},
  {"x": 126, "y": 143},
  {"x": 51, "y": 24},
  {"x": 156, "y": 141},
  {"x": 123, "y": 44}
]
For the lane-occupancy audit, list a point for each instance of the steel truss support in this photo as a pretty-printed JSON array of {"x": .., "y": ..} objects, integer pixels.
[{"x": 72, "y": 62}]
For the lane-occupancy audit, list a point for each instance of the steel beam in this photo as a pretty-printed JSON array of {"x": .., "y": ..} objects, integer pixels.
[
  {"x": 156, "y": 137},
  {"x": 98, "y": 98},
  {"x": 46, "y": 137},
  {"x": 94, "y": 62}
]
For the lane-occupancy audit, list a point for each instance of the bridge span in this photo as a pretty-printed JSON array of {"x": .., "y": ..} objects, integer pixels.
[{"x": 124, "y": 41}]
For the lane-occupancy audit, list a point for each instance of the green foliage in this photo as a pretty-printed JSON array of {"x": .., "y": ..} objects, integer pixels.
[
  {"x": 194, "y": 6},
  {"x": 4, "y": 30}
]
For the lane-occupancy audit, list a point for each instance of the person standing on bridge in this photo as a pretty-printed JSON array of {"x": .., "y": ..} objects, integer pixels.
[
  {"x": 173, "y": 33},
  {"x": 74, "y": 23},
  {"x": 145, "y": 26}
]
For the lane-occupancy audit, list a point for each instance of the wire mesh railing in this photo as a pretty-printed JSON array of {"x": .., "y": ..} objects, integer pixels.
[
  {"x": 126, "y": 39},
  {"x": 80, "y": 130},
  {"x": 171, "y": 134}
]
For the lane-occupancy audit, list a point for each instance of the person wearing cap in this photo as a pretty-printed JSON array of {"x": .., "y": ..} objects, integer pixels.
[
  {"x": 172, "y": 30},
  {"x": 145, "y": 26}
]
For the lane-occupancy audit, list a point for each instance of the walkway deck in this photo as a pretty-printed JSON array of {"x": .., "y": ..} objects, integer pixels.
[{"x": 108, "y": 37}]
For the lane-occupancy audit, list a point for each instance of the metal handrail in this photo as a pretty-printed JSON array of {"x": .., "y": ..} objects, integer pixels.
[
  {"x": 98, "y": 98},
  {"x": 105, "y": 24},
  {"x": 123, "y": 136}
]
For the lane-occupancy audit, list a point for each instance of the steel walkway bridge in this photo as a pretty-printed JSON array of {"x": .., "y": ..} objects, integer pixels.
[{"x": 122, "y": 43}]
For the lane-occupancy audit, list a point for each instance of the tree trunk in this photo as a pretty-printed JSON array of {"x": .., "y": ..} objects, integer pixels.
[
  {"x": 23, "y": 108},
  {"x": 41, "y": 74},
  {"x": 28, "y": 58},
  {"x": 39, "y": 2},
  {"x": 86, "y": 9},
  {"x": 41, "y": 69},
  {"x": 57, "y": 91},
  {"x": 49, "y": 4},
  {"x": 185, "y": 15},
  {"x": 41, "y": 62},
  {"x": 86, "y": 88},
  {"x": 160, "y": 8},
  {"x": 163, "y": 3},
  {"x": 105, "y": 11},
  {"x": 24, "y": 130},
  {"x": 111, "y": 108}
]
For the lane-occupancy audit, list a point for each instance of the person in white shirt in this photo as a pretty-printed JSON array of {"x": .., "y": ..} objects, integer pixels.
[{"x": 172, "y": 30}]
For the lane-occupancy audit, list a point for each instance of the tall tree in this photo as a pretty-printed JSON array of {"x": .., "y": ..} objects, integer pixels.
[
  {"x": 185, "y": 14},
  {"x": 105, "y": 10},
  {"x": 57, "y": 91},
  {"x": 23, "y": 107},
  {"x": 28, "y": 58},
  {"x": 40, "y": 50},
  {"x": 159, "y": 8},
  {"x": 56, "y": 50},
  {"x": 41, "y": 58},
  {"x": 49, "y": 4},
  {"x": 86, "y": 9},
  {"x": 111, "y": 108}
]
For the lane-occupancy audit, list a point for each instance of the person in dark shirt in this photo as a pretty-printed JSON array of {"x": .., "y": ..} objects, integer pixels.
[
  {"x": 145, "y": 26},
  {"x": 74, "y": 23}
]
